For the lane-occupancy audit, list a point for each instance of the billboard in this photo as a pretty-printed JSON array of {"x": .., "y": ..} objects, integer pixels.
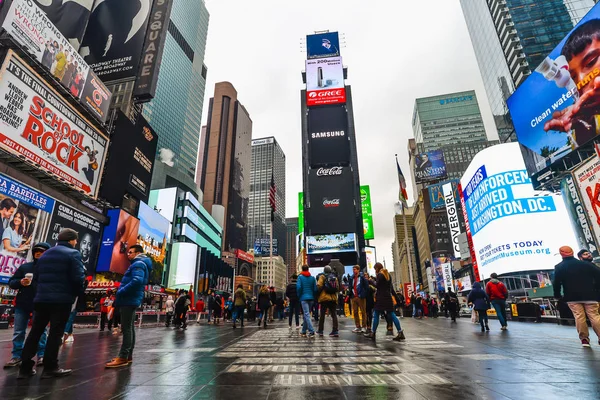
[
  {"x": 165, "y": 201},
  {"x": 70, "y": 17},
  {"x": 587, "y": 178},
  {"x": 183, "y": 262},
  {"x": 118, "y": 236},
  {"x": 147, "y": 78},
  {"x": 371, "y": 260},
  {"x": 201, "y": 238},
  {"x": 153, "y": 236},
  {"x": 35, "y": 33},
  {"x": 367, "y": 213},
  {"x": 340, "y": 243},
  {"x": 331, "y": 201},
  {"x": 24, "y": 217},
  {"x": 442, "y": 267},
  {"x": 300, "y": 212},
  {"x": 262, "y": 247},
  {"x": 463, "y": 284},
  {"x": 130, "y": 161},
  {"x": 114, "y": 38},
  {"x": 513, "y": 228},
  {"x": 37, "y": 125},
  {"x": 557, "y": 108},
  {"x": 322, "y": 45},
  {"x": 430, "y": 166},
  {"x": 436, "y": 194},
  {"x": 328, "y": 142},
  {"x": 325, "y": 81},
  {"x": 586, "y": 238},
  {"x": 453, "y": 221},
  {"x": 89, "y": 229}
]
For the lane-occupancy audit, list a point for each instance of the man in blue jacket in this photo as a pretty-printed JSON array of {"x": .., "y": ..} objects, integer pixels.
[
  {"x": 60, "y": 276},
  {"x": 129, "y": 297},
  {"x": 23, "y": 281},
  {"x": 306, "y": 286}
]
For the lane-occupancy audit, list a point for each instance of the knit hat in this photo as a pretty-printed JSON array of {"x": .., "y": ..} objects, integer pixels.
[
  {"x": 68, "y": 234},
  {"x": 566, "y": 251},
  {"x": 43, "y": 246}
]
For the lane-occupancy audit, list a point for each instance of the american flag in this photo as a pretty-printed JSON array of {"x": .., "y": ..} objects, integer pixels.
[
  {"x": 272, "y": 191},
  {"x": 403, "y": 196}
]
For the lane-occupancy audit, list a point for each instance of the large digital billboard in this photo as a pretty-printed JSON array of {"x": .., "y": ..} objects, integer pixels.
[
  {"x": 120, "y": 234},
  {"x": 31, "y": 28},
  {"x": 513, "y": 228},
  {"x": 321, "y": 244},
  {"x": 328, "y": 142},
  {"x": 430, "y": 166},
  {"x": 262, "y": 247},
  {"x": 300, "y": 212},
  {"x": 331, "y": 199},
  {"x": 436, "y": 194},
  {"x": 114, "y": 38},
  {"x": 70, "y": 17},
  {"x": 557, "y": 108},
  {"x": 38, "y": 126},
  {"x": 183, "y": 262},
  {"x": 371, "y": 254},
  {"x": 130, "y": 160},
  {"x": 325, "y": 81},
  {"x": 367, "y": 212},
  {"x": 153, "y": 236},
  {"x": 587, "y": 178},
  {"x": 322, "y": 45}
]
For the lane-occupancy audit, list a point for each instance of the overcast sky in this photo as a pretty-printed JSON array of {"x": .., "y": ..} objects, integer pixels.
[{"x": 395, "y": 51}]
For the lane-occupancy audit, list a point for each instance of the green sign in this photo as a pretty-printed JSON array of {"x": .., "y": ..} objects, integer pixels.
[
  {"x": 300, "y": 212},
  {"x": 367, "y": 214}
]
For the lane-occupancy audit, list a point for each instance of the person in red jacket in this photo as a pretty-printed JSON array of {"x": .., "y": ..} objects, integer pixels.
[
  {"x": 498, "y": 294},
  {"x": 199, "y": 309}
]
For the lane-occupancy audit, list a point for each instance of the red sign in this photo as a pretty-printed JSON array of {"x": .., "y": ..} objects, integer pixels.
[
  {"x": 325, "y": 96},
  {"x": 242, "y": 255},
  {"x": 407, "y": 292}
]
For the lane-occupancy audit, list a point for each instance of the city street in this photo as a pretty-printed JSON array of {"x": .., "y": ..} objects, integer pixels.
[{"x": 439, "y": 360}]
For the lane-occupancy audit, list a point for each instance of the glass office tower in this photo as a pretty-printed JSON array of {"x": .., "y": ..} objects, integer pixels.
[{"x": 176, "y": 111}]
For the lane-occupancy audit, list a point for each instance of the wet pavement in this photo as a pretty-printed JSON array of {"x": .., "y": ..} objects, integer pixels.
[{"x": 439, "y": 360}]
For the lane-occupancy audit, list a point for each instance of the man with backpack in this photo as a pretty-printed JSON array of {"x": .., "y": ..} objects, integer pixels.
[
  {"x": 129, "y": 297},
  {"x": 328, "y": 287}
]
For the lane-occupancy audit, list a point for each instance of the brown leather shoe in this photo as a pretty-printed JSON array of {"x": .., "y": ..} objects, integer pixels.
[
  {"x": 129, "y": 359},
  {"x": 117, "y": 363}
]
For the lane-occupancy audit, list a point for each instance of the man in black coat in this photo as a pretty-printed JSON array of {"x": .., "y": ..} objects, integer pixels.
[
  {"x": 294, "y": 303},
  {"x": 60, "y": 276},
  {"x": 23, "y": 281},
  {"x": 579, "y": 281}
]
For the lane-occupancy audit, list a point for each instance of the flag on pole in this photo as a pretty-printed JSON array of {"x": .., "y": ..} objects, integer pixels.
[
  {"x": 272, "y": 191},
  {"x": 403, "y": 196}
]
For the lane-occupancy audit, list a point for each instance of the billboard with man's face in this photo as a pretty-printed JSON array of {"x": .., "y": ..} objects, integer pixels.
[
  {"x": 557, "y": 109},
  {"x": 430, "y": 166}
]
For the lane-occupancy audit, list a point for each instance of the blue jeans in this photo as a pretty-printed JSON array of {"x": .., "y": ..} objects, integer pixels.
[
  {"x": 69, "y": 326},
  {"x": 307, "y": 324},
  {"x": 21, "y": 321},
  {"x": 500, "y": 307},
  {"x": 390, "y": 314},
  {"x": 238, "y": 312}
]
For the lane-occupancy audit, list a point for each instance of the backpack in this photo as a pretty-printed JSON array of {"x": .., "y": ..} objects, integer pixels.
[{"x": 331, "y": 284}]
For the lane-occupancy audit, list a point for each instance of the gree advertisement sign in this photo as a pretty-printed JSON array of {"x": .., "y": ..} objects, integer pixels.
[
  {"x": 325, "y": 81},
  {"x": 367, "y": 214}
]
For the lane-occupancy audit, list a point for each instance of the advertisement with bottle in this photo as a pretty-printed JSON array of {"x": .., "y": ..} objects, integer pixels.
[{"x": 325, "y": 81}]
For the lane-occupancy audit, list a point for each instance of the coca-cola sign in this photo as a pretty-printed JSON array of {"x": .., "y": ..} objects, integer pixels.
[
  {"x": 333, "y": 171},
  {"x": 328, "y": 203}
]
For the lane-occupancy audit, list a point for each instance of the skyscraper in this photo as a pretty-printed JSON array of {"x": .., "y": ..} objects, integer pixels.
[
  {"x": 176, "y": 110},
  {"x": 226, "y": 164},
  {"x": 290, "y": 246},
  {"x": 511, "y": 38},
  {"x": 268, "y": 160}
]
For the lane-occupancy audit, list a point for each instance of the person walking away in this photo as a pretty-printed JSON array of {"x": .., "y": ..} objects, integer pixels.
[
  {"x": 384, "y": 303},
  {"x": 359, "y": 287},
  {"x": 280, "y": 311},
  {"x": 264, "y": 304},
  {"x": 59, "y": 274},
  {"x": 434, "y": 308},
  {"x": 239, "y": 298},
  {"x": 252, "y": 309},
  {"x": 105, "y": 303},
  {"x": 199, "y": 309},
  {"x": 452, "y": 304},
  {"x": 273, "y": 298},
  {"x": 480, "y": 301},
  {"x": 228, "y": 309},
  {"x": 370, "y": 305},
  {"x": 211, "y": 305},
  {"x": 23, "y": 281},
  {"x": 129, "y": 297},
  {"x": 498, "y": 294},
  {"x": 292, "y": 295},
  {"x": 328, "y": 288},
  {"x": 419, "y": 306},
  {"x": 170, "y": 309},
  {"x": 580, "y": 284},
  {"x": 306, "y": 287},
  {"x": 182, "y": 305},
  {"x": 218, "y": 309}
]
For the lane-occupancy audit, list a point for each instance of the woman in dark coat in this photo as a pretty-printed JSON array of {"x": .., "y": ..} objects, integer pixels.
[
  {"x": 264, "y": 303},
  {"x": 384, "y": 303},
  {"x": 481, "y": 303}
]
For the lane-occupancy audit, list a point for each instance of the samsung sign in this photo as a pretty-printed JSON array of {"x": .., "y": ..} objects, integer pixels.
[
  {"x": 319, "y": 135},
  {"x": 456, "y": 100}
]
